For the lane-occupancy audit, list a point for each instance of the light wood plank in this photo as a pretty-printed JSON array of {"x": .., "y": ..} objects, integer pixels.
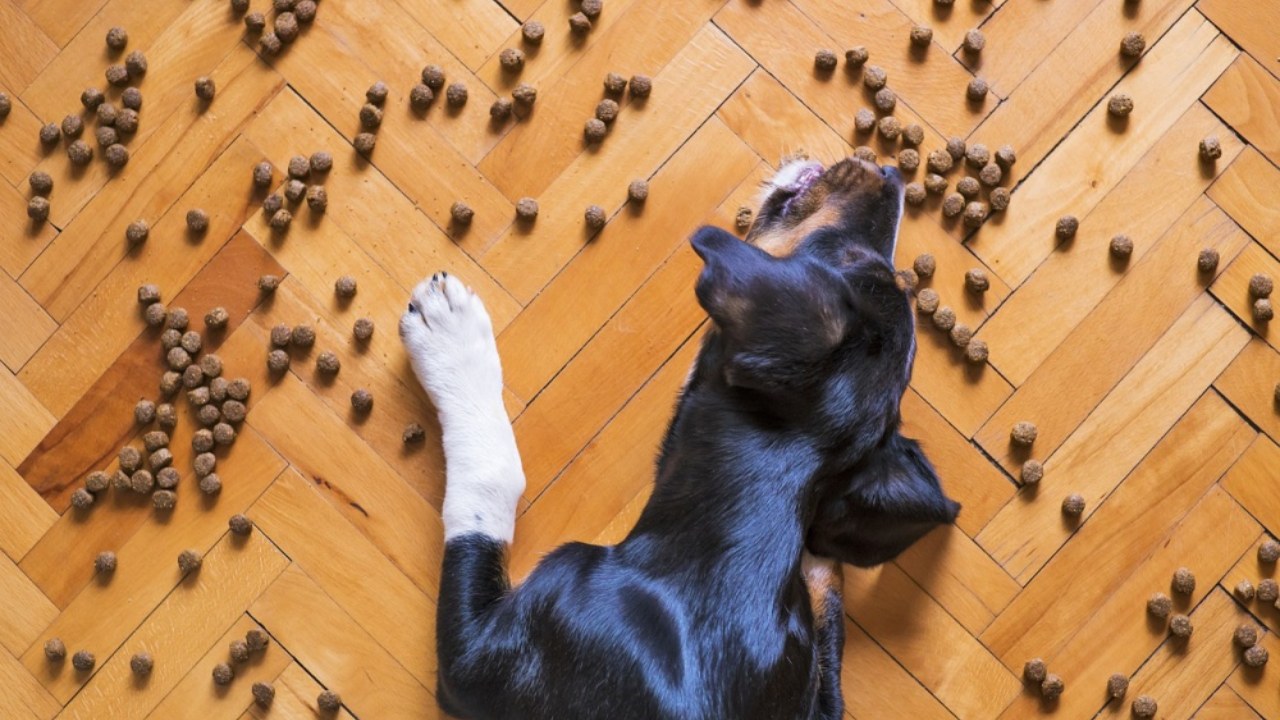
[
  {"x": 197, "y": 696},
  {"x": 1247, "y": 97},
  {"x": 1246, "y": 191},
  {"x": 1231, "y": 288},
  {"x": 1245, "y": 384}
]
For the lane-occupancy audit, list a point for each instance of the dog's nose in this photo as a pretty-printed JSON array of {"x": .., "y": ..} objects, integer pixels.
[{"x": 891, "y": 173}]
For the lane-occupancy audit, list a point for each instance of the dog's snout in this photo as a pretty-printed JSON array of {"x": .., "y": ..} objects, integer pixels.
[{"x": 891, "y": 173}]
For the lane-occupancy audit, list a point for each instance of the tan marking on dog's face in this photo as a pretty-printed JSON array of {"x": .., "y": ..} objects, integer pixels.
[{"x": 822, "y": 205}]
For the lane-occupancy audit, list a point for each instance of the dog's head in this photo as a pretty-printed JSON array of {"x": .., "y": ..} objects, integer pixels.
[{"x": 812, "y": 328}]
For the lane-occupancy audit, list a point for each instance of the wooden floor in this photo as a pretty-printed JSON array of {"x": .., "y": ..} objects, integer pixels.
[{"x": 1150, "y": 383}]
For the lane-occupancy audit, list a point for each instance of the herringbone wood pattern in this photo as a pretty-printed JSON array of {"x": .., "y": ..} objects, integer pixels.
[{"x": 1151, "y": 384}]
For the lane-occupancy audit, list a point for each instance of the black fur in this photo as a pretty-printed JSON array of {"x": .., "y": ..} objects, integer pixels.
[{"x": 785, "y": 435}]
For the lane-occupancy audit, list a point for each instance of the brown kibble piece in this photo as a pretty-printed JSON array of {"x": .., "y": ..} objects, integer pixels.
[
  {"x": 1269, "y": 551},
  {"x": 79, "y": 152},
  {"x": 1262, "y": 311},
  {"x": 317, "y": 198},
  {"x": 328, "y": 363},
  {"x": 999, "y": 199},
  {"x": 1024, "y": 433},
  {"x": 607, "y": 110},
  {"x": 913, "y": 135},
  {"x": 961, "y": 335},
  {"x": 580, "y": 24},
  {"x": 461, "y": 213},
  {"x": 55, "y": 650},
  {"x": 824, "y": 61},
  {"x": 413, "y": 433},
  {"x": 533, "y": 32},
  {"x": 874, "y": 77},
  {"x": 189, "y": 560},
  {"x": 164, "y": 500},
  {"x": 1184, "y": 581},
  {"x": 1032, "y": 472},
  {"x": 141, "y": 664},
  {"x": 935, "y": 184},
  {"x": 286, "y": 27},
  {"x": 940, "y": 161},
  {"x": 889, "y": 127},
  {"x": 1006, "y": 157},
  {"x": 370, "y": 116},
  {"x": 255, "y": 22},
  {"x": 223, "y": 674},
  {"x": 362, "y": 400},
  {"x": 1144, "y": 706},
  {"x": 204, "y": 463},
  {"x": 975, "y": 213},
  {"x": 594, "y": 130},
  {"x": 1244, "y": 589},
  {"x": 1210, "y": 148},
  {"x": 953, "y": 205},
  {"x": 944, "y": 318},
  {"x": 641, "y": 86},
  {"x": 742, "y": 220},
  {"x": 1180, "y": 626},
  {"x": 977, "y": 90},
  {"x": 1246, "y": 635},
  {"x": 976, "y": 352},
  {"x": 166, "y": 416},
  {"x": 420, "y": 97},
  {"x": 129, "y": 458},
  {"x": 500, "y": 110},
  {"x": 1208, "y": 260},
  {"x": 295, "y": 190},
  {"x": 281, "y": 335},
  {"x": 105, "y": 562},
  {"x": 927, "y": 301},
  {"x": 363, "y": 329},
  {"x": 511, "y": 59},
  {"x": 925, "y": 265},
  {"x": 864, "y": 120},
  {"x": 914, "y": 193},
  {"x": 117, "y": 38},
  {"x": 281, "y": 220},
  {"x": 974, "y": 41},
  {"x": 263, "y": 694},
  {"x": 72, "y": 126},
  {"x": 1034, "y": 671},
  {"x": 155, "y": 314},
  {"x": 211, "y": 484},
  {"x": 990, "y": 175},
  {"x": 238, "y": 651},
  {"x": 1268, "y": 591},
  {"x": 1117, "y": 686},
  {"x": 1052, "y": 687},
  {"x": 857, "y": 56},
  {"x": 525, "y": 95},
  {"x": 866, "y": 154},
  {"x": 155, "y": 440},
  {"x": 433, "y": 77},
  {"x": 1255, "y": 657},
  {"x": 1066, "y": 227},
  {"x": 921, "y": 35},
  {"x": 41, "y": 182},
  {"x": 305, "y": 11},
  {"x": 240, "y": 525},
  {"x": 117, "y": 155},
  {"x": 968, "y": 187},
  {"x": 364, "y": 143},
  {"x": 592, "y": 8},
  {"x": 277, "y": 361},
  {"x": 1120, "y": 105},
  {"x": 142, "y": 482},
  {"x": 329, "y": 701},
  {"x": 1121, "y": 247},
  {"x": 223, "y": 433},
  {"x": 81, "y": 499},
  {"x": 168, "y": 478},
  {"x": 1073, "y": 505},
  {"x": 117, "y": 75},
  {"x": 1133, "y": 44},
  {"x": 595, "y": 217},
  {"x": 456, "y": 95},
  {"x": 234, "y": 411},
  {"x": 976, "y": 281},
  {"x": 137, "y": 232},
  {"x": 83, "y": 660},
  {"x": 97, "y": 481},
  {"x": 345, "y": 286},
  {"x": 1260, "y": 285},
  {"x": 136, "y": 63},
  {"x": 257, "y": 639},
  {"x": 144, "y": 412}
]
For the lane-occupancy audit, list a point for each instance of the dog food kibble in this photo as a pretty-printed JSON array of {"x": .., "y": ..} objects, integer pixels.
[
  {"x": 968, "y": 187},
  {"x": 6, "y": 105},
  {"x": 594, "y": 130},
  {"x": 1184, "y": 581},
  {"x": 824, "y": 60},
  {"x": 121, "y": 481},
  {"x": 944, "y": 318},
  {"x": 155, "y": 314},
  {"x": 238, "y": 651},
  {"x": 914, "y": 194},
  {"x": 277, "y": 361},
  {"x": 295, "y": 190},
  {"x": 117, "y": 75},
  {"x": 204, "y": 463},
  {"x": 864, "y": 120},
  {"x": 974, "y": 41},
  {"x": 170, "y": 381},
  {"x": 239, "y": 389},
  {"x": 1180, "y": 626},
  {"x": 935, "y": 184},
  {"x": 500, "y": 110},
  {"x": 362, "y": 329},
  {"x": 1255, "y": 656},
  {"x": 413, "y": 433},
  {"x": 168, "y": 478},
  {"x": 1121, "y": 247},
  {"x": 927, "y": 301},
  {"x": 328, "y": 363},
  {"x": 921, "y": 35},
  {"x": 234, "y": 411},
  {"x": 1006, "y": 157},
  {"x": 126, "y": 121},
  {"x": 362, "y": 400},
  {"x": 1032, "y": 472},
  {"x": 280, "y": 335},
  {"x": 1066, "y": 227},
  {"x": 1260, "y": 285},
  {"x": 257, "y": 640},
  {"x": 141, "y": 664},
  {"x": 1133, "y": 44},
  {"x": 97, "y": 481},
  {"x": 155, "y": 440},
  {"x": 925, "y": 265},
  {"x": 961, "y": 335},
  {"x": 79, "y": 153},
  {"x": 461, "y": 213},
  {"x": 191, "y": 342},
  {"x": 975, "y": 213},
  {"x": 1244, "y": 589},
  {"x": 223, "y": 674},
  {"x": 906, "y": 280},
  {"x": 202, "y": 440},
  {"x": 1073, "y": 505},
  {"x": 364, "y": 143},
  {"x": 83, "y": 660},
  {"x": 1210, "y": 148},
  {"x": 129, "y": 458},
  {"x": 117, "y": 38},
  {"x": 889, "y": 127},
  {"x": 1246, "y": 635},
  {"x": 189, "y": 560},
  {"x": 299, "y": 168},
  {"x": 370, "y": 116},
  {"x": 317, "y": 198},
  {"x": 976, "y": 281},
  {"x": 990, "y": 175},
  {"x": 953, "y": 205},
  {"x": 857, "y": 56},
  {"x": 579, "y": 23},
  {"x": 533, "y": 32},
  {"x": 1262, "y": 311},
  {"x": 866, "y": 154},
  {"x": 1120, "y": 105},
  {"x": 305, "y": 11},
  {"x": 592, "y": 8},
  {"x": 940, "y": 161},
  {"x": 1034, "y": 671},
  {"x": 885, "y": 100},
  {"x": 209, "y": 415},
  {"x": 240, "y": 525},
  {"x": 977, "y": 154},
  {"x": 329, "y": 701},
  {"x": 1024, "y": 433},
  {"x": 977, "y": 89},
  {"x": 263, "y": 694},
  {"x": 345, "y": 286},
  {"x": 286, "y": 27},
  {"x": 72, "y": 126},
  {"x": 281, "y": 220},
  {"x": 144, "y": 412},
  {"x": 524, "y": 95},
  {"x": 455, "y": 95},
  {"x": 1268, "y": 591},
  {"x": 178, "y": 359},
  {"x": 210, "y": 484},
  {"x": 136, "y": 63},
  {"x": 198, "y": 397},
  {"x": 433, "y": 77},
  {"x": 142, "y": 482},
  {"x": 594, "y": 217},
  {"x": 742, "y": 220},
  {"x": 55, "y": 650},
  {"x": 1051, "y": 687},
  {"x": 117, "y": 155},
  {"x": 976, "y": 352},
  {"x": 41, "y": 182},
  {"x": 1117, "y": 686},
  {"x": 607, "y": 110},
  {"x": 641, "y": 86},
  {"x": 321, "y": 162},
  {"x": 81, "y": 499},
  {"x": 1207, "y": 262},
  {"x": 874, "y": 77},
  {"x": 256, "y": 22},
  {"x": 223, "y": 433},
  {"x": 105, "y": 562},
  {"x": 1269, "y": 552},
  {"x": 1144, "y": 706}
]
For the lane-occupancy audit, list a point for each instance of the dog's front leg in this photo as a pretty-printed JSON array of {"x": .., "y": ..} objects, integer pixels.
[{"x": 449, "y": 338}]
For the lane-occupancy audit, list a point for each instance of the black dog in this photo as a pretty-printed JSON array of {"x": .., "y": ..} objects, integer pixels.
[{"x": 785, "y": 436}]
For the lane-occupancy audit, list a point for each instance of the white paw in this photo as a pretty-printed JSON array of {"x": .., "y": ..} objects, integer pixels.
[{"x": 449, "y": 338}]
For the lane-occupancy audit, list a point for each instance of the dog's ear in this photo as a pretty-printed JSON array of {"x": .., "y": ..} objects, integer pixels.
[
  {"x": 890, "y": 500},
  {"x": 730, "y": 265}
]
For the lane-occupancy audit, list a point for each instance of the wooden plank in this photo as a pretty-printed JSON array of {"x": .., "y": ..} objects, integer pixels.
[
  {"x": 21, "y": 240},
  {"x": 1146, "y": 301},
  {"x": 967, "y": 475},
  {"x": 1117, "y": 636},
  {"x": 20, "y": 148},
  {"x": 182, "y": 629},
  {"x": 1246, "y": 191},
  {"x": 1247, "y": 98},
  {"x": 23, "y": 420},
  {"x": 62, "y": 19},
  {"x": 1088, "y": 164},
  {"x": 1245, "y": 382},
  {"x": 949, "y": 22},
  {"x": 197, "y": 696},
  {"x": 600, "y": 279},
  {"x": 1115, "y": 436},
  {"x": 1247, "y": 25},
  {"x": 960, "y": 576},
  {"x": 154, "y": 186},
  {"x": 372, "y": 684},
  {"x": 1131, "y": 528},
  {"x": 892, "y": 609},
  {"x": 1252, "y": 482},
  {"x": 371, "y": 210},
  {"x": 876, "y": 686},
  {"x": 354, "y": 480},
  {"x": 1182, "y": 676},
  {"x": 24, "y": 325},
  {"x": 295, "y": 699},
  {"x": 937, "y": 95},
  {"x": 1254, "y": 686},
  {"x": 1151, "y": 205},
  {"x": 640, "y": 141},
  {"x": 97, "y": 418},
  {"x": 473, "y": 30},
  {"x": 24, "y": 46},
  {"x": 1231, "y": 288},
  {"x": 577, "y": 506},
  {"x": 1225, "y": 704},
  {"x": 1251, "y": 568},
  {"x": 105, "y": 611},
  {"x": 775, "y": 123},
  {"x": 23, "y": 697},
  {"x": 352, "y": 572},
  {"x": 24, "y": 610},
  {"x": 24, "y": 516},
  {"x": 966, "y": 395}
]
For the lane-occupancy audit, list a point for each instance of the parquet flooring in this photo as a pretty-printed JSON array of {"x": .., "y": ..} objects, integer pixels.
[{"x": 1153, "y": 387}]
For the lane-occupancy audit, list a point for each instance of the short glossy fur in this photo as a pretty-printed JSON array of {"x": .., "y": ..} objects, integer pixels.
[{"x": 785, "y": 435}]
